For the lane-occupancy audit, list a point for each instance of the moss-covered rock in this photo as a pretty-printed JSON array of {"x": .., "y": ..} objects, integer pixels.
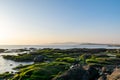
[{"x": 41, "y": 71}]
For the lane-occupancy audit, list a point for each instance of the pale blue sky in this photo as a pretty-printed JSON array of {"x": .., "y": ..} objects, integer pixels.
[{"x": 52, "y": 21}]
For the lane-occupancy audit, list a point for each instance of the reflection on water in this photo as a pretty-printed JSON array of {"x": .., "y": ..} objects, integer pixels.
[{"x": 7, "y": 65}]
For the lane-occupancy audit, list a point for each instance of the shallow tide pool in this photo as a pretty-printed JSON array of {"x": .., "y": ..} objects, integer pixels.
[{"x": 7, "y": 65}]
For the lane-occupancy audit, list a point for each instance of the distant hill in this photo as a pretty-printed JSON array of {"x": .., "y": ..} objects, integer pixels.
[
  {"x": 92, "y": 44},
  {"x": 77, "y": 43}
]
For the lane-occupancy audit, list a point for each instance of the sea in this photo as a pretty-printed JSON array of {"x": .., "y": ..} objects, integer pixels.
[{"x": 57, "y": 46}]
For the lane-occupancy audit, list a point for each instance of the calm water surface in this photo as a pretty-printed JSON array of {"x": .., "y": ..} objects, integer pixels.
[
  {"x": 7, "y": 65},
  {"x": 56, "y": 46}
]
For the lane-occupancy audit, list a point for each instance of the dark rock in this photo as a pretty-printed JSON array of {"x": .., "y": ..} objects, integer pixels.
[
  {"x": 79, "y": 73},
  {"x": 39, "y": 58},
  {"x": 93, "y": 73},
  {"x": 2, "y": 50}
]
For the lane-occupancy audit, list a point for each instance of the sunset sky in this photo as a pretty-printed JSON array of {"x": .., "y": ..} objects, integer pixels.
[{"x": 27, "y": 22}]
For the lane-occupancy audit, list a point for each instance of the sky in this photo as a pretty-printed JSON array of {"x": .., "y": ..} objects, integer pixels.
[{"x": 35, "y": 22}]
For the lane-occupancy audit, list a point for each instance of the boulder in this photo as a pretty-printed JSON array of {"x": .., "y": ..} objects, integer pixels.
[
  {"x": 79, "y": 73},
  {"x": 39, "y": 58},
  {"x": 93, "y": 73},
  {"x": 76, "y": 73},
  {"x": 103, "y": 77},
  {"x": 115, "y": 75}
]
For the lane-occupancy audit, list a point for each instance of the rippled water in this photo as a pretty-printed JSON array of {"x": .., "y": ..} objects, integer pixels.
[{"x": 7, "y": 65}]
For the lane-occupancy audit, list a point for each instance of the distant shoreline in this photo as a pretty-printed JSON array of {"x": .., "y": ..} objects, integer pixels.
[
  {"x": 62, "y": 46},
  {"x": 109, "y": 45}
]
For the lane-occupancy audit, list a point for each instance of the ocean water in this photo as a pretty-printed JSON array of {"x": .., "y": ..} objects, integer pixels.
[
  {"x": 56, "y": 46},
  {"x": 8, "y": 65}
]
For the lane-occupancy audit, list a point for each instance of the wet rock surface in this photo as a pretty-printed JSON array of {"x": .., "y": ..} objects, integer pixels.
[
  {"x": 79, "y": 73},
  {"x": 39, "y": 58}
]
